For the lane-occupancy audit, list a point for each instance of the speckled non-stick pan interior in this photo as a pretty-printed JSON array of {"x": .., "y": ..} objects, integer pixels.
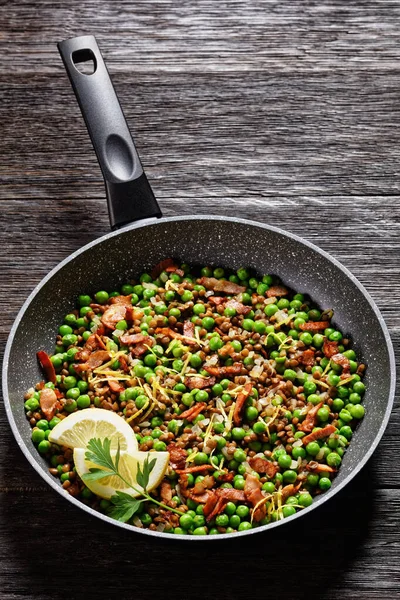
[{"x": 230, "y": 243}]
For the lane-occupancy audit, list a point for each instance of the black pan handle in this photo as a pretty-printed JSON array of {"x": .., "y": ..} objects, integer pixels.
[{"x": 129, "y": 195}]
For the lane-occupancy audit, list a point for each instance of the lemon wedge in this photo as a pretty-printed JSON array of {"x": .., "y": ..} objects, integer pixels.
[
  {"x": 128, "y": 464},
  {"x": 78, "y": 428}
]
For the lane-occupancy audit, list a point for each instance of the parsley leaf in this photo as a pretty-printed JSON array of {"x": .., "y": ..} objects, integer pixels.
[
  {"x": 99, "y": 452},
  {"x": 124, "y": 506},
  {"x": 96, "y": 474}
]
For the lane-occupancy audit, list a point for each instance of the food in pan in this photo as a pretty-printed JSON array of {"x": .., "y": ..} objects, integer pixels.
[{"x": 196, "y": 401}]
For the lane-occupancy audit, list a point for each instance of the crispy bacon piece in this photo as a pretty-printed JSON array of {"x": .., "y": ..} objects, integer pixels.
[
  {"x": 277, "y": 291},
  {"x": 96, "y": 359},
  {"x": 341, "y": 360},
  {"x": 319, "y": 467},
  {"x": 289, "y": 490},
  {"x": 49, "y": 403},
  {"x": 176, "y": 270},
  {"x": 188, "y": 330},
  {"x": 175, "y": 335},
  {"x": 168, "y": 517},
  {"x": 124, "y": 300},
  {"x": 261, "y": 465},
  {"x": 115, "y": 386},
  {"x": 307, "y": 358},
  {"x": 231, "y": 494},
  {"x": 221, "y": 285},
  {"x": 202, "y": 498},
  {"x": 177, "y": 456},
  {"x": 166, "y": 491},
  {"x": 124, "y": 363},
  {"x": 141, "y": 348},
  {"x": 226, "y": 350},
  {"x": 234, "y": 369},
  {"x": 47, "y": 366},
  {"x": 162, "y": 266},
  {"x": 205, "y": 484},
  {"x": 196, "y": 469},
  {"x": 193, "y": 412},
  {"x": 217, "y": 300},
  {"x": 314, "y": 325},
  {"x": 317, "y": 435},
  {"x": 240, "y": 308},
  {"x": 199, "y": 382},
  {"x": 100, "y": 343},
  {"x": 309, "y": 422},
  {"x": 92, "y": 343},
  {"x": 129, "y": 315},
  {"x": 240, "y": 402},
  {"x": 225, "y": 477},
  {"x": 131, "y": 339},
  {"x": 113, "y": 314},
  {"x": 253, "y": 494},
  {"x": 330, "y": 348}
]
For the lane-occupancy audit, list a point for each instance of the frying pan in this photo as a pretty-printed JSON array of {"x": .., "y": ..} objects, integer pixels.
[{"x": 145, "y": 238}]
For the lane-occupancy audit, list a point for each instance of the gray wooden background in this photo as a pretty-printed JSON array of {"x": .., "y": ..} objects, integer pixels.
[{"x": 282, "y": 111}]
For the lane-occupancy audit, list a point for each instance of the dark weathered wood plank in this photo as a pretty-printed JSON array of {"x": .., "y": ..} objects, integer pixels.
[{"x": 283, "y": 112}]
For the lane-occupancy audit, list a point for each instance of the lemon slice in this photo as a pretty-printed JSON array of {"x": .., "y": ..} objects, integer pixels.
[
  {"x": 77, "y": 429},
  {"x": 128, "y": 464}
]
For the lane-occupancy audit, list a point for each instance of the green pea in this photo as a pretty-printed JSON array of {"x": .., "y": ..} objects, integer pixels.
[
  {"x": 73, "y": 393},
  {"x": 251, "y": 413},
  {"x": 141, "y": 401},
  {"x": 337, "y": 405},
  {"x": 37, "y": 435},
  {"x": 201, "y": 458},
  {"x": 312, "y": 479},
  {"x": 325, "y": 483},
  {"x": 83, "y": 401},
  {"x": 32, "y": 404},
  {"x": 240, "y": 455},
  {"x": 201, "y": 396},
  {"x": 333, "y": 459},
  {"x": 289, "y": 476},
  {"x": 323, "y": 414},
  {"x": 270, "y": 309},
  {"x": 288, "y": 511},
  {"x": 357, "y": 411},
  {"x": 335, "y": 336},
  {"x": 242, "y": 511},
  {"x": 306, "y": 338},
  {"x": 313, "y": 448},
  {"x": 215, "y": 343},
  {"x": 186, "y": 521},
  {"x": 199, "y": 309},
  {"x": 355, "y": 398},
  {"x": 309, "y": 388},
  {"x": 290, "y": 374},
  {"x": 345, "y": 415},
  {"x": 259, "y": 428},
  {"x": 222, "y": 520},
  {"x": 238, "y": 433},
  {"x": 44, "y": 446},
  {"x": 69, "y": 382},
  {"x": 298, "y": 452},
  {"x": 101, "y": 297},
  {"x": 195, "y": 360},
  {"x": 208, "y": 323}
]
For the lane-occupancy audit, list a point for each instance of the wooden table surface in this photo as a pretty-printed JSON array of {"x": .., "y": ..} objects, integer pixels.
[{"x": 285, "y": 112}]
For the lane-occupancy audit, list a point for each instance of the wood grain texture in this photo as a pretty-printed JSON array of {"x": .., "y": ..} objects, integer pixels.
[{"x": 279, "y": 111}]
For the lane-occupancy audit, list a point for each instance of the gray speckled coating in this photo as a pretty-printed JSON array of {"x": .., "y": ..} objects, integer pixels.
[{"x": 231, "y": 243}]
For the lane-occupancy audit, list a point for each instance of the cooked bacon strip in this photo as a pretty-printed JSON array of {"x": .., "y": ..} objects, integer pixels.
[
  {"x": 330, "y": 348},
  {"x": 234, "y": 369},
  {"x": 314, "y": 325},
  {"x": 240, "y": 308},
  {"x": 340, "y": 359},
  {"x": 124, "y": 363},
  {"x": 221, "y": 285},
  {"x": 205, "y": 484},
  {"x": 130, "y": 339},
  {"x": 166, "y": 491},
  {"x": 96, "y": 359},
  {"x": 92, "y": 343},
  {"x": 277, "y": 291},
  {"x": 261, "y": 465},
  {"x": 217, "y": 300},
  {"x": 231, "y": 494},
  {"x": 113, "y": 314},
  {"x": 115, "y": 386},
  {"x": 226, "y": 350},
  {"x": 130, "y": 315},
  {"x": 176, "y": 270},
  {"x": 124, "y": 300},
  {"x": 217, "y": 508},
  {"x": 240, "y": 402},
  {"x": 289, "y": 490},
  {"x": 196, "y": 469},
  {"x": 162, "y": 266},
  {"x": 188, "y": 330},
  {"x": 47, "y": 366},
  {"x": 100, "y": 342},
  {"x": 175, "y": 335},
  {"x": 49, "y": 403},
  {"x": 307, "y": 358},
  {"x": 141, "y": 348},
  {"x": 193, "y": 412},
  {"x": 199, "y": 382},
  {"x": 253, "y": 494},
  {"x": 309, "y": 422},
  {"x": 317, "y": 435},
  {"x": 177, "y": 456},
  {"x": 225, "y": 477},
  {"x": 319, "y": 468},
  {"x": 202, "y": 498}
]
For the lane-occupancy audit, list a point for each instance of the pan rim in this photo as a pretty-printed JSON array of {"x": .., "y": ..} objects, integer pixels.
[{"x": 154, "y": 221}]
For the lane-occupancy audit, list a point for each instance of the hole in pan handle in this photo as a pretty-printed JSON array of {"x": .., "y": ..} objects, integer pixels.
[{"x": 129, "y": 195}]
